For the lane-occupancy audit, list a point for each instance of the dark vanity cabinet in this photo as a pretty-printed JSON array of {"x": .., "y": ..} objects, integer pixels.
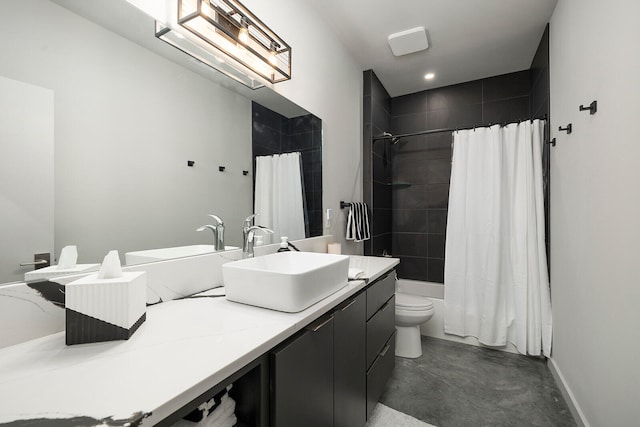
[
  {"x": 334, "y": 372},
  {"x": 350, "y": 381},
  {"x": 302, "y": 378}
]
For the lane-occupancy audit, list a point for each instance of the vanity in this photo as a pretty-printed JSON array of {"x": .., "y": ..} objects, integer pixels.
[{"x": 326, "y": 365}]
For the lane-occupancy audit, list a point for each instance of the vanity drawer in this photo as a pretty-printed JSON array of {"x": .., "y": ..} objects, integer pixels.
[
  {"x": 379, "y": 328},
  {"x": 380, "y": 372},
  {"x": 380, "y": 292}
]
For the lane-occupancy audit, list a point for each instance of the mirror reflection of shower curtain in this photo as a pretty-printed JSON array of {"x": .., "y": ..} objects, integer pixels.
[
  {"x": 496, "y": 281},
  {"x": 279, "y": 198}
]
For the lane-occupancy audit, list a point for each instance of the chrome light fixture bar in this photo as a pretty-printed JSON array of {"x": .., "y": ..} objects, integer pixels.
[{"x": 226, "y": 36}]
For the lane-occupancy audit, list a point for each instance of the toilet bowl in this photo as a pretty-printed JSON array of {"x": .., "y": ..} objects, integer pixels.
[{"x": 411, "y": 312}]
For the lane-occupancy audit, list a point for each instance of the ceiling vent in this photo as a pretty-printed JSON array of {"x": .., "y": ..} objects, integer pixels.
[{"x": 408, "y": 41}]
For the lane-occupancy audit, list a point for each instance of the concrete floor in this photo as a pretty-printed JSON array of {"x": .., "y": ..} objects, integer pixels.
[{"x": 457, "y": 385}]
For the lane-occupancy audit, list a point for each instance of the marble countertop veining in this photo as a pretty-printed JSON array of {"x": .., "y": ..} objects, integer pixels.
[{"x": 184, "y": 348}]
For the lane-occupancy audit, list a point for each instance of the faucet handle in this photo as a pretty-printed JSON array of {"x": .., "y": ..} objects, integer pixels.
[
  {"x": 261, "y": 227},
  {"x": 251, "y": 231},
  {"x": 217, "y": 218}
]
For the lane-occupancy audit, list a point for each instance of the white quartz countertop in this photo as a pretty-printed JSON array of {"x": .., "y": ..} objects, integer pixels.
[{"x": 184, "y": 348}]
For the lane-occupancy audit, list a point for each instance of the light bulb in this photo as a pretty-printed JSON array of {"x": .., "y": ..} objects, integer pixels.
[
  {"x": 273, "y": 52},
  {"x": 243, "y": 35},
  {"x": 429, "y": 76}
]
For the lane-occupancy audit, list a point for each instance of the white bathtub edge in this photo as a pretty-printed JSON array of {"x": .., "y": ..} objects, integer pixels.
[{"x": 435, "y": 327}]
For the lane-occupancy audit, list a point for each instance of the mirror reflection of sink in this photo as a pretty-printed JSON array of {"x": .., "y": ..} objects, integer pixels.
[
  {"x": 151, "y": 255},
  {"x": 285, "y": 281}
]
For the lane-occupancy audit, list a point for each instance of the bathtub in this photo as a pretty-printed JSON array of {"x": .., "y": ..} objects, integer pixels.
[{"x": 435, "y": 326}]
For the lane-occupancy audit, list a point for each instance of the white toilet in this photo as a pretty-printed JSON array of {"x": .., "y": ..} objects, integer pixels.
[{"x": 411, "y": 312}]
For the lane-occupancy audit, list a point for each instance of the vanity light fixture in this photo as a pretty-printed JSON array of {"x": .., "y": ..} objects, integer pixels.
[{"x": 226, "y": 36}]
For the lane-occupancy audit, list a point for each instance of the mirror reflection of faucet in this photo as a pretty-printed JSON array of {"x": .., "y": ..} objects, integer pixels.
[
  {"x": 218, "y": 232},
  {"x": 248, "y": 222}
]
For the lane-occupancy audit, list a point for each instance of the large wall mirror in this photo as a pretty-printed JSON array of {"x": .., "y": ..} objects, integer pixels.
[{"x": 109, "y": 118}]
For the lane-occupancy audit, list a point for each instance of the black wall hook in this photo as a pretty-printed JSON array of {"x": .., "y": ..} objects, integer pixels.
[
  {"x": 592, "y": 108},
  {"x": 567, "y": 129},
  {"x": 245, "y": 173},
  {"x": 190, "y": 163},
  {"x": 552, "y": 142},
  {"x": 221, "y": 168}
]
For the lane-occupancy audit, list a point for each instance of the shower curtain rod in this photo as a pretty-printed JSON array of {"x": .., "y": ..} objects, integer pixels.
[{"x": 427, "y": 132}]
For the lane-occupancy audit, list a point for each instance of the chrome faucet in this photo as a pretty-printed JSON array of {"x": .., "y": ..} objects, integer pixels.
[
  {"x": 218, "y": 232},
  {"x": 248, "y": 222},
  {"x": 248, "y": 243}
]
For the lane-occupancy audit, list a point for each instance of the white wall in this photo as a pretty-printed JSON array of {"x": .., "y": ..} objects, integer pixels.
[
  {"x": 595, "y": 207},
  {"x": 326, "y": 81},
  {"x": 126, "y": 122},
  {"x": 27, "y": 221}
]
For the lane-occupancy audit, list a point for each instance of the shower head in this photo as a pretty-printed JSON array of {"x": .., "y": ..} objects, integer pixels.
[{"x": 389, "y": 136}]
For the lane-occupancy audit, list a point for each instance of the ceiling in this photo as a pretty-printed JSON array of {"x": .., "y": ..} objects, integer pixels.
[{"x": 468, "y": 39}]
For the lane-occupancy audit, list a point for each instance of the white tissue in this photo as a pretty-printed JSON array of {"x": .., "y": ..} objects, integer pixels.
[
  {"x": 68, "y": 258},
  {"x": 111, "y": 267}
]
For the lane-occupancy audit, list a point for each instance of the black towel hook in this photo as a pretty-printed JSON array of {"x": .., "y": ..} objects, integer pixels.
[
  {"x": 592, "y": 108},
  {"x": 567, "y": 129}
]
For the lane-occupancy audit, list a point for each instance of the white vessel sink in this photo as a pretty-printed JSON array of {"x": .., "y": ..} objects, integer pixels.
[
  {"x": 151, "y": 255},
  {"x": 285, "y": 281}
]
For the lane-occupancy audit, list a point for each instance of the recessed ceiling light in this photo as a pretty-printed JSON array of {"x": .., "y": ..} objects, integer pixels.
[{"x": 429, "y": 76}]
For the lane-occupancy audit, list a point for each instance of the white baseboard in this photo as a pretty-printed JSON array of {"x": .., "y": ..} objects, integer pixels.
[{"x": 575, "y": 409}]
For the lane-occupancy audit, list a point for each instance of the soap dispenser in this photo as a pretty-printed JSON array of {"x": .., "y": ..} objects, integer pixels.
[{"x": 284, "y": 244}]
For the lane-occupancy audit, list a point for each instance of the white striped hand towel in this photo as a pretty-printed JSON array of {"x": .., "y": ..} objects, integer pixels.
[{"x": 358, "y": 222}]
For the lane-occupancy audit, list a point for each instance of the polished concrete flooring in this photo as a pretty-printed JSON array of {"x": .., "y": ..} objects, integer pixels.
[{"x": 458, "y": 385}]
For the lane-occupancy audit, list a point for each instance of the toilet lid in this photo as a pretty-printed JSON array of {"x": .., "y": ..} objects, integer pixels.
[{"x": 413, "y": 302}]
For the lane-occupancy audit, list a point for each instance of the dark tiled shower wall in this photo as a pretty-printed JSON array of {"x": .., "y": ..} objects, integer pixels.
[
  {"x": 419, "y": 210},
  {"x": 377, "y": 162},
  {"x": 273, "y": 133},
  {"x": 540, "y": 84},
  {"x": 540, "y": 106}
]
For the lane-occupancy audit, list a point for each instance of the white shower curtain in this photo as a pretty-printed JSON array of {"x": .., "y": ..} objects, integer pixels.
[
  {"x": 496, "y": 281},
  {"x": 278, "y": 195}
]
